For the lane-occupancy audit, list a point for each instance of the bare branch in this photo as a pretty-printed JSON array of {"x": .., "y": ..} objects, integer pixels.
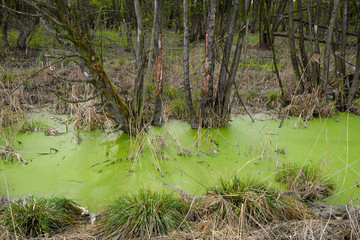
[
  {"x": 31, "y": 76},
  {"x": 18, "y": 12},
  {"x": 76, "y": 101},
  {"x": 72, "y": 80}
]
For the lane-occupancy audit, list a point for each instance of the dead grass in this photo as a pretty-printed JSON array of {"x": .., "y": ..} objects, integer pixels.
[
  {"x": 241, "y": 204},
  {"x": 307, "y": 182}
]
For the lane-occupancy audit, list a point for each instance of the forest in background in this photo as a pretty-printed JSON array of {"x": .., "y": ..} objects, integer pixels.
[{"x": 321, "y": 42}]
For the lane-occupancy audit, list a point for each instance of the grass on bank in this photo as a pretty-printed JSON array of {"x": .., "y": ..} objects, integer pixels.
[
  {"x": 35, "y": 217},
  {"x": 143, "y": 215},
  {"x": 241, "y": 203},
  {"x": 307, "y": 182}
]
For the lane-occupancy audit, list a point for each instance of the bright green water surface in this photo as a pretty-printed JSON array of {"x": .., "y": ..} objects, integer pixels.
[{"x": 94, "y": 168}]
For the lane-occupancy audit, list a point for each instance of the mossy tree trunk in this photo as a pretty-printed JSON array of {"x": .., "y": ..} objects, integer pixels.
[{"x": 63, "y": 21}]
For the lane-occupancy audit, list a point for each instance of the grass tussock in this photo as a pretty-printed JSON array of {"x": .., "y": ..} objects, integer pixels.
[
  {"x": 306, "y": 182},
  {"x": 143, "y": 215},
  {"x": 35, "y": 217},
  {"x": 242, "y": 203}
]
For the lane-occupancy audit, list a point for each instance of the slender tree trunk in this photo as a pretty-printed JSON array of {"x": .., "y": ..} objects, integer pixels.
[
  {"x": 4, "y": 31},
  {"x": 226, "y": 108},
  {"x": 326, "y": 59},
  {"x": 158, "y": 119},
  {"x": 344, "y": 35},
  {"x": 224, "y": 70},
  {"x": 207, "y": 82},
  {"x": 355, "y": 82},
  {"x": 187, "y": 88},
  {"x": 274, "y": 58},
  {"x": 293, "y": 49},
  {"x": 140, "y": 58},
  {"x": 316, "y": 65},
  {"x": 303, "y": 53},
  {"x": 254, "y": 15},
  {"x": 128, "y": 36},
  {"x": 25, "y": 32},
  {"x": 154, "y": 46}
]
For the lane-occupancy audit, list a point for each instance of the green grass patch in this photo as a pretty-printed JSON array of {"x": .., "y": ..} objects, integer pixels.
[
  {"x": 307, "y": 182},
  {"x": 34, "y": 217},
  {"x": 144, "y": 214}
]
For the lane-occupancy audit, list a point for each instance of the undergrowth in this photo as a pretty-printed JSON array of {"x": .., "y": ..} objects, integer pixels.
[
  {"x": 306, "y": 182},
  {"x": 145, "y": 214},
  {"x": 34, "y": 217},
  {"x": 242, "y": 203}
]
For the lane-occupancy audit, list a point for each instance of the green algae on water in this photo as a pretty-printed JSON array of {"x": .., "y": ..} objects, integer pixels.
[{"x": 102, "y": 167}]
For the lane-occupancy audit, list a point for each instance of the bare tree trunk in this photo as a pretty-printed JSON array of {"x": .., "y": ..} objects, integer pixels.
[
  {"x": 207, "y": 82},
  {"x": 140, "y": 58},
  {"x": 187, "y": 88},
  {"x": 158, "y": 119},
  {"x": 4, "y": 32},
  {"x": 224, "y": 70},
  {"x": 344, "y": 35},
  {"x": 254, "y": 14},
  {"x": 154, "y": 46},
  {"x": 316, "y": 65},
  {"x": 226, "y": 108},
  {"x": 303, "y": 53},
  {"x": 128, "y": 35},
  {"x": 271, "y": 41},
  {"x": 355, "y": 82},
  {"x": 326, "y": 58},
  {"x": 25, "y": 32},
  {"x": 293, "y": 49}
]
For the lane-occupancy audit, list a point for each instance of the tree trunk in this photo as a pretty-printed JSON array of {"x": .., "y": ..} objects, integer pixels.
[
  {"x": 139, "y": 80},
  {"x": 271, "y": 41},
  {"x": 300, "y": 87},
  {"x": 207, "y": 82},
  {"x": 158, "y": 119},
  {"x": 303, "y": 53},
  {"x": 4, "y": 32},
  {"x": 154, "y": 45},
  {"x": 56, "y": 15},
  {"x": 254, "y": 14},
  {"x": 355, "y": 82},
  {"x": 326, "y": 58},
  {"x": 316, "y": 64},
  {"x": 226, "y": 108},
  {"x": 187, "y": 88},
  {"x": 224, "y": 70}
]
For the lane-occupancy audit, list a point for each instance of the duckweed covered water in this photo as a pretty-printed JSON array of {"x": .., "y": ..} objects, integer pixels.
[{"x": 94, "y": 168}]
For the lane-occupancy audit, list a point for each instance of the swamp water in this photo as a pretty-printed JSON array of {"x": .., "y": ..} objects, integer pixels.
[{"x": 94, "y": 168}]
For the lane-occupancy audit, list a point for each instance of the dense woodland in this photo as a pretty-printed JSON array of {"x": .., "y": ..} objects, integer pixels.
[{"x": 322, "y": 38}]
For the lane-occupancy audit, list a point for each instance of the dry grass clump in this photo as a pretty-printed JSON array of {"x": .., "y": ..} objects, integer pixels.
[
  {"x": 243, "y": 203},
  {"x": 310, "y": 105},
  {"x": 84, "y": 114},
  {"x": 306, "y": 182},
  {"x": 143, "y": 215},
  {"x": 307, "y": 229},
  {"x": 34, "y": 217}
]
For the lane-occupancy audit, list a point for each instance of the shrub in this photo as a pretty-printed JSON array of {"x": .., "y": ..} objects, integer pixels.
[
  {"x": 307, "y": 182},
  {"x": 145, "y": 214},
  {"x": 34, "y": 217}
]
